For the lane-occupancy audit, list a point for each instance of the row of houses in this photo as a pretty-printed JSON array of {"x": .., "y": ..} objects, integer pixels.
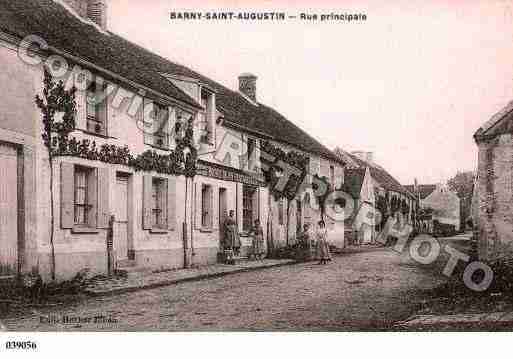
[
  {"x": 156, "y": 158},
  {"x": 116, "y": 168}
]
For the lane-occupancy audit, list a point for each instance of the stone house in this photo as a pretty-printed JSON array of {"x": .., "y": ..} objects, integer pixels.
[
  {"x": 125, "y": 156},
  {"x": 492, "y": 200},
  {"x": 371, "y": 185}
]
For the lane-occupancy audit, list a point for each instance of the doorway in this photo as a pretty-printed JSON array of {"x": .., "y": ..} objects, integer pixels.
[
  {"x": 299, "y": 216},
  {"x": 121, "y": 193},
  {"x": 222, "y": 213},
  {"x": 8, "y": 209}
]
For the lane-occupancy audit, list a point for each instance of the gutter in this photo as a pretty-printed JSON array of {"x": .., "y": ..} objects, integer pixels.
[{"x": 246, "y": 129}]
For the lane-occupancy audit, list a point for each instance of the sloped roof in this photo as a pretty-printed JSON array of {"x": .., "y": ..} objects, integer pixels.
[
  {"x": 424, "y": 190},
  {"x": 378, "y": 173},
  {"x": 500, "y": 123},
  {"x": 62, "y": 30}
]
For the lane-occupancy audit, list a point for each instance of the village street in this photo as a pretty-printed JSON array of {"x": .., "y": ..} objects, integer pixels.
[{"x": 369, "y": 289}]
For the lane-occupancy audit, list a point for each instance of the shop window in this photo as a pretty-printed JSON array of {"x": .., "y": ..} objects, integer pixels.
[{"x": 249, "y": 207}]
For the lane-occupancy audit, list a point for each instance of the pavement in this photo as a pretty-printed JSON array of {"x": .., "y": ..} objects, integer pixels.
[
  {"x": 361, "y": 291},
  {"x": 490, "y": 320},
  {"x": 118, "y": 285}
]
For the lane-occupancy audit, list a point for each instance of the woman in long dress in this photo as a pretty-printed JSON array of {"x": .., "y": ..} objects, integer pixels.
[
  {"x": 231, "y": 234},
  {"x": 258, "y": 240},
  {"x": 323, "y": 248}
]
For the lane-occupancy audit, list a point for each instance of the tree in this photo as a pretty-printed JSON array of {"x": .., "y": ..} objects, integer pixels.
[
  {"x": 56, "y": 100},
  {"x": 463, "y": 185}
]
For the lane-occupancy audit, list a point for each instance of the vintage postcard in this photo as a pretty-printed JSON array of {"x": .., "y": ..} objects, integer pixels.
[{"x": 276, "y": 166}]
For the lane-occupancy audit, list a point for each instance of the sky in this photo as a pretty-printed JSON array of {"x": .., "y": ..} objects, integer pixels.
[{"x": 411, "y": 84}]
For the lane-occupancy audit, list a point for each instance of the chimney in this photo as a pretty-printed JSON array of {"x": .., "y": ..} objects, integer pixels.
[
  {"x": 97, "y": 12},
  {"x": 94, "y": 10},
  {"x": 364, "y": 156},
  {"x": 247, "y": 85}
]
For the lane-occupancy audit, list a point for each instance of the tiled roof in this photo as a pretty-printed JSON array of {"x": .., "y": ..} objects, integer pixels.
[
  {"x": 379, "y": 174},
  {"x": 500, "y": 123},
  {"x": 423, "y": 189},
  {"x": 64, "y": 31}
]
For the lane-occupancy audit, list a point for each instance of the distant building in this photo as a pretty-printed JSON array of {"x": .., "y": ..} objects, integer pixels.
[
  {"x": 492, "y": 204},
  {"x": 438, "y": 204},
  {"x": 370, "y": 184}
]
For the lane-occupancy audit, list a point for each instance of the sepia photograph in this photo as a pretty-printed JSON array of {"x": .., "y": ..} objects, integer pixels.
[{"x": 231, "y": 167}]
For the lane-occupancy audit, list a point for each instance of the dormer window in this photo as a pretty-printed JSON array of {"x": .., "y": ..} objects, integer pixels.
[
  {"x": 96, "y": 110},
  {"x": 208, "y": 102},
  {"x": 156, "y": 125},
  {"x": 160, "y": 136}
]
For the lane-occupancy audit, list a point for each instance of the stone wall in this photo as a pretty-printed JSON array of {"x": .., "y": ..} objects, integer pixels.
[{"x": 494, "y": 202}]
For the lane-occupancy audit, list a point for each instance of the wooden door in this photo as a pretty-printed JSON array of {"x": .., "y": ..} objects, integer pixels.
[
  {"x": 120, "y": 240},
  {"x": 8, "y": 210}
]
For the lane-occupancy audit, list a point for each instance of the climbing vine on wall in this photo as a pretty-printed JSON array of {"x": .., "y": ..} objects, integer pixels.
[
  {"x": 176, "y": 162},
  {"x": 271, "y": 170}
]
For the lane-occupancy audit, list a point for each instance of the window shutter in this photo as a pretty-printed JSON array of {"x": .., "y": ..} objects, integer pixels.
[
  {"x": 92, "y": 194},
  {"x": 147, "y": 187},
  {"x": 103, "y": 198},
  {"x": 215, "y": 207},
  {"x": 81, "y": 113},
  {"x": 102, "y": 113},
  {"x": 197, "y": 205},
  {"x": 171, "y": 204},
  {"x": 171, "y": 123},
  {"x": 147, "y": 122},
  {"x": 67, "y": 194}
]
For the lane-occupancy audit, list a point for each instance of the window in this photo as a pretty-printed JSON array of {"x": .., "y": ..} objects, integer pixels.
[
  {"x": 96, "y": 113},
  {"x": 251, "y": 152},
  {"x": 249, "y": 208},
  {"x": 206, "y": 206},
  {"x": 332, "y": 175},
  {"x": 82, "y": 202},
  {"x": 158, "y": 203},
  {"x": 207, "y": 101}
]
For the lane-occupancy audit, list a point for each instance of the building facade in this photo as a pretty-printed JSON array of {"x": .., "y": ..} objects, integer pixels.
[
  {"x": 492, "y": 198},
  {"x": 372, "y": 186},
  {"x": 157, "y": 158}
]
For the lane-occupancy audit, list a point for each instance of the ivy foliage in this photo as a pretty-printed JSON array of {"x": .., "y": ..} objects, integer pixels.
[
  {"x": 57, "y": 138},
  {"x": 56, "y": 99},
  {"x": 272, "y": 168}
]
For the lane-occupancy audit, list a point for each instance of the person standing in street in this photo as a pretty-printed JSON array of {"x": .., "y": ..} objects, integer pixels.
[
  {"x": 231, "y": 234},
  {"x": 258, "y": 240},
  {"x": 321, "y": 235}
]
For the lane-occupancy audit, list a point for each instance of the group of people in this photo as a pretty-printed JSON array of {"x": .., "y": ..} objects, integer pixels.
[
  {"x": 317, "y": 240},
  {"x": 231, "y": 239}
]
